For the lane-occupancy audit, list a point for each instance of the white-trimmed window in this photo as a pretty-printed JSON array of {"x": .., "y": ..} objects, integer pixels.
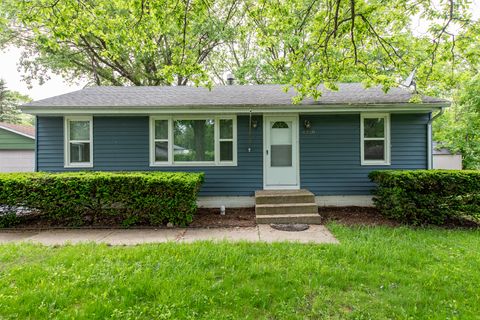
[
  {"x": 78, "y": 133},
  {"x": 193, "y": 140},
  {"x": 375, "y": 139}
]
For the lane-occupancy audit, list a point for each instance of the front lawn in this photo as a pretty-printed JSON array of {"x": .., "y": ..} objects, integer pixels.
[{"x": 375, "y": 273}]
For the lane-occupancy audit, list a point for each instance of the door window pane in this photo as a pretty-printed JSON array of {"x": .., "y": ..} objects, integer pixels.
[
  {"x": 281, "y": 144},
  {"x": 280, "y": 125},
  {"x": 374, "y": 127},
  {"x": 161, "y": 151},
  {"x": 195, "y": 138},
  {"x": 79, "y": 130},
  {"x": 161, "y": 129},
  {"x": 226, "y": 129},
  {"x": 226, "y": 151},
  {"x": 79, "y": 152},
  {"x": 281, "y": 156},
  {"x": 374, "y": 150}
]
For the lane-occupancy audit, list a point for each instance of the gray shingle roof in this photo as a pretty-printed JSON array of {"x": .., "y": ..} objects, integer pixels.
[{"x": 236, "y": 95}]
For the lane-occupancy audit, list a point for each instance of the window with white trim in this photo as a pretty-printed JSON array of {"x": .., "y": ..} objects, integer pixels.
[
  {"x": 375, "y": 139},
  {"x": 193, "y": 140},
  {"x": 78, "y": 133}
]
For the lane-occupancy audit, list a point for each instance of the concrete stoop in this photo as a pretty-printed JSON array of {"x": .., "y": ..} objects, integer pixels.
[{"x": 286, "y": 206}]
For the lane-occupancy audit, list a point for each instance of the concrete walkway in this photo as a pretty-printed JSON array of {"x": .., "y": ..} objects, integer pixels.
[{"x": 315, "y": 234}]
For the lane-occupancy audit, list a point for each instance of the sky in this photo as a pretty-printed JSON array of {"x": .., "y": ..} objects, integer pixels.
[{"x": 9, "y": 72}]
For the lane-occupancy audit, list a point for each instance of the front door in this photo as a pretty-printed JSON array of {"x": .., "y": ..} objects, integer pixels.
[{"x": 281, "y": 152}]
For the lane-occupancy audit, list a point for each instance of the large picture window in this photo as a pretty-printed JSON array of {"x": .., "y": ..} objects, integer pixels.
[
  {"x": 375, "y": 139},
  {"x": 78, "y": 142},
  {"x": 202, "y": 140}
]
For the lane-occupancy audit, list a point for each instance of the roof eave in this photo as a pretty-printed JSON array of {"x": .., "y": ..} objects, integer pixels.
[
  {"x": 17, "y": 132},
  {"x": 323, "y": 108}
]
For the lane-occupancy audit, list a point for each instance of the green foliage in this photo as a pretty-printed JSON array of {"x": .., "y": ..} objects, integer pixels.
[
  {"x": 459, "y": 128},
  {"x": 8, "y": 219},
  {"x": 297, "y": 42},
  {"x": 152, "y": 197},
  {"x": 427, "y": 196},
  {"x": 374, "y": 273},
  {"x": 9, "y": 102},
  {"x": 147, "y": 42}
]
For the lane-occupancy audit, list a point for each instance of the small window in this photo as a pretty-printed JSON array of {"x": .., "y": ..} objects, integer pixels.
[
  {"x": 375, "y": 144},
  {"x": 161, "y": 140},
  {"x": 202, "y": 140},
  {"x": 78, "y": 142},
  {"x": 226, "y": 140}
]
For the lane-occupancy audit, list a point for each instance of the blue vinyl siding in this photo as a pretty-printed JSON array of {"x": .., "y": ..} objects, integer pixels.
[
  {"x": 329, "y": 154},
  {"x": 122, "y": 144}
]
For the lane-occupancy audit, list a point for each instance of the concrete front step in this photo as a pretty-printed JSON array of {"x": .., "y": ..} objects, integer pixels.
[
  {"x": 308, "y": 218},
  {"x": 286, "y": 208},
  {"x": 284, "y": 196}
]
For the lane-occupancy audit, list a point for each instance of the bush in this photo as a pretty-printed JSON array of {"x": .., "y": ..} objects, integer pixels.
[
  {"x": 427, "y": 196},
  {"x": 8, "y": 219},
  {"x": 73, "y": 198}
]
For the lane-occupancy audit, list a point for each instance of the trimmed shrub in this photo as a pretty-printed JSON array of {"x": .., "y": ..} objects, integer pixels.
[
  {"x": 427, "y": 196},
  {"x": 73, "y": 198}
]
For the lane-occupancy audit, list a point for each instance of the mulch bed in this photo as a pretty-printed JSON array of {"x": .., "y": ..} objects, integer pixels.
[
  {"x": 234, "y": 217},
  {"x": 245, "y": 217},
  {"x": 368, "y": 216}
]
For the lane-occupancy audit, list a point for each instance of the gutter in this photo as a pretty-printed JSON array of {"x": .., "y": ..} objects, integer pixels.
[
  {"x": 231, "y": 109},
  {"x": 429, "y": 137}
]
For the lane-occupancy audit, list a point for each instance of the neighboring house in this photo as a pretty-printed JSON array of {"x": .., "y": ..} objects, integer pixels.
[
  {"x": 444, "y": 159},
  {"x": 17, "y": 148},
  {"x": 245, "y": 138}
]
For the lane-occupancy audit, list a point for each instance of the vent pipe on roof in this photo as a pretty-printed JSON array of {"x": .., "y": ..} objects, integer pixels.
[{"x": 230, "y": 79}]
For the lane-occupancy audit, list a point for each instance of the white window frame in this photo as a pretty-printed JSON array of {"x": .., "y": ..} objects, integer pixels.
[
  {"x": 67, "y": 141},
  {"x": 386, "y": 139},
  {"x": 217, "y": 139}
]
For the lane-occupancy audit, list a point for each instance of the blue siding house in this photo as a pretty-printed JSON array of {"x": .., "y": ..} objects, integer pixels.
[{"x": 245, "y": 138}]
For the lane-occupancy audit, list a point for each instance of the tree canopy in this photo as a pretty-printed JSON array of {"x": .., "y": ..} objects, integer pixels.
[
  {"x": 298, "y": 42},
  {"x": 459, "y": 128},
  {"x": 9, "y": 102}
]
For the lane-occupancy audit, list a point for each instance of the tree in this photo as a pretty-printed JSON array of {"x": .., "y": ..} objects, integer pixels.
[
  {"x": 459, "y": 129},
  {"x": 120, "y": 42},
  {"x": 303, "y": 43},
  {"x": 9, "y": 102}
]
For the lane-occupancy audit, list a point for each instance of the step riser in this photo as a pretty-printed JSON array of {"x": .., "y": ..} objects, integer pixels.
[
  {"x": 285, "y": 199},
  {"x": 309, "y": 208},
  {"x": 289, "y": 219}
]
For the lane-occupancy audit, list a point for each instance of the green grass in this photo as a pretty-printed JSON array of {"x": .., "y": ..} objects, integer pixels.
[{"x": 375, "y": 273}]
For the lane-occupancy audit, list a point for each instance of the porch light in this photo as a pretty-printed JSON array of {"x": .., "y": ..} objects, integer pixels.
[
  {"x": 307, "y": 124},
  {"x": 254, "y": 123}
]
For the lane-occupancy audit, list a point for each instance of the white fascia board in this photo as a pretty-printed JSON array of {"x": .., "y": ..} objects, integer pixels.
[{"x": 416, "y": 108}]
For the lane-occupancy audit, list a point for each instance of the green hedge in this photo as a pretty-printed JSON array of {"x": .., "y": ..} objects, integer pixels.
[
  {"x": 70, "y": 198},
  {"x": 427, "y": 196}
]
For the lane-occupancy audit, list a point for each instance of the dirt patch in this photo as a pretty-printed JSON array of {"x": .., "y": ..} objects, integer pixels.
[
  {"x": 234, "y": 217},
  {"x": 242, "y": 217},
  {"x": 368, "y": 216},
  {"x": 239, "y": 217}
]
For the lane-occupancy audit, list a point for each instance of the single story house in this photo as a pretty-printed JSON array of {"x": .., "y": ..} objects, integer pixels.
[
  {"x": 445, "y": 159},
  {"x": 17, "y": 147},
  {"x": 245, "y": 138}
]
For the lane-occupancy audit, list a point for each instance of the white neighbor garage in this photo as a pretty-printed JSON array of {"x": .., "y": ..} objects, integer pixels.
[{"x": 17, "y": 148}]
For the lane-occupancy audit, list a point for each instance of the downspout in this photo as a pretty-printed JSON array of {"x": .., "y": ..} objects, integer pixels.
[
  {"x": 429, "y": 137},
  {"x": 36, "y": 144}
]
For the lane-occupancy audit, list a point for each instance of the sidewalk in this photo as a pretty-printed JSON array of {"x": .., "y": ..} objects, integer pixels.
[{"x": 315, "y": 234}]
